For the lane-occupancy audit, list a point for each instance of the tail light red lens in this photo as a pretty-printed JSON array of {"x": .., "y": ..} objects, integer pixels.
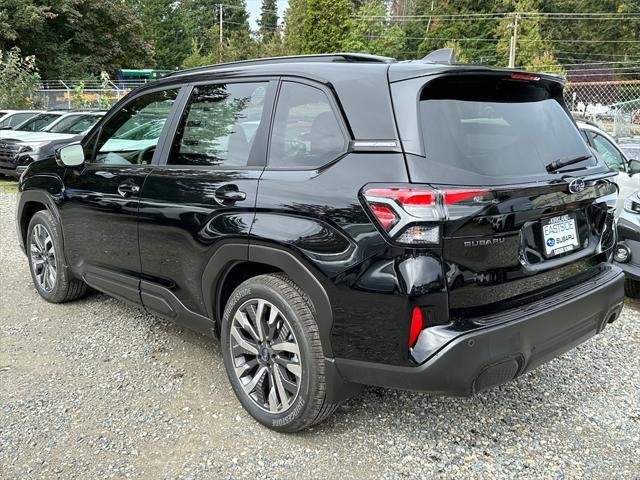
[
  {"x": 412, "y": 215},
  {"x": 384, "y": 215},
  {"x": 417, "y": 324}
]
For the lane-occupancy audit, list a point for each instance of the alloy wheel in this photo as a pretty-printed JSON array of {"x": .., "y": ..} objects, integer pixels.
[
  {"x": 265, "y": 355},
  {"x": 43, "y": 257}
]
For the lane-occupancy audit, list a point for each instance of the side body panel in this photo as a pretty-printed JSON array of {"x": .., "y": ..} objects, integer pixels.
[{"x": 318, "y": 216}]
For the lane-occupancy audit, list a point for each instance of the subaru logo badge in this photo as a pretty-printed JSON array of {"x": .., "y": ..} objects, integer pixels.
[{"x": 576, "y": 185}]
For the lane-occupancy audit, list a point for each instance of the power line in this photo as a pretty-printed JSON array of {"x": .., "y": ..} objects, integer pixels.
[{"x": 472, "y": 39}]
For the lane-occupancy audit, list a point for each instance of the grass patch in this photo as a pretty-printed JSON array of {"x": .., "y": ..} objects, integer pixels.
[{"x": 8, "y": 186}]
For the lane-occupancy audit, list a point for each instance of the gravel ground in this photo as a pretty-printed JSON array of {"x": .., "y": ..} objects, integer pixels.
[{"x": 98, "y": 389}]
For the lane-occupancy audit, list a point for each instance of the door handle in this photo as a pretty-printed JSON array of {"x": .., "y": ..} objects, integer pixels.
[
  {"x": 128, "y": 188},
  {"x": 230, "y": 193},
  {"x": 104, "y": 174}
]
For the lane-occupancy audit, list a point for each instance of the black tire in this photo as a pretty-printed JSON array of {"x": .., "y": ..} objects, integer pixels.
[
  {"x": 632, "y": 288},
  {"x": 65, "y": 287},
  {"x": 310, "y": 405}
]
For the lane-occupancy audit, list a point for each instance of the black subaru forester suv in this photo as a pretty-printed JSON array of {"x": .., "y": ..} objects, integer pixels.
[{"x": 338, "y": 220}]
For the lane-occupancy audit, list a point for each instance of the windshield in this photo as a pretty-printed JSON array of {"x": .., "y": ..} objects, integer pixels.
[
  {"x": 15, "y": 119},
  {"x": 497, "y": 128},
  {"x": 74, "y": 124},
  {"x": 38, "y": 122}
]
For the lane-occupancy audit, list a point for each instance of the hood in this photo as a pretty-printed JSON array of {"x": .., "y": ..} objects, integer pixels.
[{"x": 29, "y": 137}]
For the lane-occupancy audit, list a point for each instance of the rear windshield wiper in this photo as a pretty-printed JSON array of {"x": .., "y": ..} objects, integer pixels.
[{"x": 565, "y": 162}]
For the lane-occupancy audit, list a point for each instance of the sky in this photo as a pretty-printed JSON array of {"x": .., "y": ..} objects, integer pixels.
[{"x": 253, "y": 6}]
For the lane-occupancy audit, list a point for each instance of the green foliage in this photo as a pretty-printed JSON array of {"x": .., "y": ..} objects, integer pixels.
[
  {"x": 268, "y": 21},
  {"x": 294, "y": 37},
  {"x": 374, "y": 35},
  {"x": 317, "y": 26},
  {"x": 79, "y": 38},
  {"x": 326, "y": 25},
  {"x": 438, "y": 31},
  {"x": 165, "y": 29},
  {"x": 202, "y": 15},
  {"x": 71, "y": 38},
  {"x": 18, "y": 79}
]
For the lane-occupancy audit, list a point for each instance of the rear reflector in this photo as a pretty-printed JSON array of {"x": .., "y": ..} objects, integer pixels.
[{"x": 416, "y": 326}]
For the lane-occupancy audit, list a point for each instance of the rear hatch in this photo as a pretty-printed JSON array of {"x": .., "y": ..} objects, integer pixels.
[{"x": 514, "y": 225}]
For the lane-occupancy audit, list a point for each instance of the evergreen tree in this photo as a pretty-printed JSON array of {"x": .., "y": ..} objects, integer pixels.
[
  {"x": 372, "y": 32},
  {"x": 474, "y": 35},
  {"x": 165, "y": 29},
  {"x": 294, "y": 37},
  {"x": 268, "y": 20},
  {"x": 202, "y": 15},
  {"x": 326, "y": 25}
]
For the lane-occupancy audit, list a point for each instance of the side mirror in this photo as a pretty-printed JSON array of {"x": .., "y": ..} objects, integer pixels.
[
  {"x": 634, "y": 167},
  {"x": 70, "y": 155}
]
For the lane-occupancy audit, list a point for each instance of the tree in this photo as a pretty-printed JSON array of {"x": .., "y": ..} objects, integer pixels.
[
  {"x": 165, "y": 28},
  {"x": 75, "y": 38},
  {"x": 531, "y": 45},
  {"x": 372, "y": 31},
  {"x": 317, "y": 26},
  {"x": 293, "y": 19},
  {"x": 473, "y": 35},
  {"x": 202, "y": 15},
  {"x": 268, "y": 21},
  {"x": 18, "y": 79}
]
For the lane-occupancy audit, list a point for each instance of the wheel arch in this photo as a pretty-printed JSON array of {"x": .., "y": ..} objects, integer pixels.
[
  {"x": 31, "y": 202},
  {"x": 234, "y": 263}
]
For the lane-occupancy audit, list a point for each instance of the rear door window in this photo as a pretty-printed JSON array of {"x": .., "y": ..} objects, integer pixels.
[
  {"x": 495, "y": 128},
  {"x": 306, "y": 131}
]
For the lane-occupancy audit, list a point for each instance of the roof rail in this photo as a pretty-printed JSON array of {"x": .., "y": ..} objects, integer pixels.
[
  {"x": 324, "y": 57},
  {"x": 446, "y": 56}
]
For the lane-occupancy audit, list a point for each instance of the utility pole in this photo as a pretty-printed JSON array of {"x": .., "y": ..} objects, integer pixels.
[
  {"x": 514, "y": 41},
  {"x": 429, "y": 23},
  {"x": 220, "y": 41}
]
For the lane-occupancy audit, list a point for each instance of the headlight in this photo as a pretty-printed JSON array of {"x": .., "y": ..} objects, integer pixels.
[{"x": 632, "y": 204}]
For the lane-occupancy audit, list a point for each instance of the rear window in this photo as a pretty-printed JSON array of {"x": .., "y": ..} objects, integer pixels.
[{"x": 497, "y": 127}]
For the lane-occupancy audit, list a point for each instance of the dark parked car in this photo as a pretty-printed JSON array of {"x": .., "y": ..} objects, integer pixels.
[{"x": 338, "y": 220}]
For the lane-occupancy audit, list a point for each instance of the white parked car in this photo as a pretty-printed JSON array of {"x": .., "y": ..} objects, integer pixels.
[
  {"x": 12, "y": 118},
  {"x": 628, "y": 178}
]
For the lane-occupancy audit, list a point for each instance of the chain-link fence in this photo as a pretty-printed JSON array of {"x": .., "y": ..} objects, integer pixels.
[
  {"x": 614, "y": 105},
  {"x": 82, "y": 94}
]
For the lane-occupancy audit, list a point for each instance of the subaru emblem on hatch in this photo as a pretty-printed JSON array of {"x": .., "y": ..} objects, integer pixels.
[{"x": 576, "y": 185}]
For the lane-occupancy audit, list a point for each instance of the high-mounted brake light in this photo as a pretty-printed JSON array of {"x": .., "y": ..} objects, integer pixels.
[
  {"x": 525, "y": 76},
  {"x": 413, "y": 215}
]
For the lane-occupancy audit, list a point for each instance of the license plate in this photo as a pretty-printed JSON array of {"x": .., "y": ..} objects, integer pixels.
[{"x": 559, "y": 235}]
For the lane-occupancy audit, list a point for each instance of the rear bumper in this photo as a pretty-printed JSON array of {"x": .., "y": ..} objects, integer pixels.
[{"x": 494, "y": 354}]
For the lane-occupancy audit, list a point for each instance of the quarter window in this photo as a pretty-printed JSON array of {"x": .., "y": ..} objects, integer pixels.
[
  {"x": 219, "y": 125},
  {"x": 306, "y": 132},
  {"x": 131, "y": 135}
]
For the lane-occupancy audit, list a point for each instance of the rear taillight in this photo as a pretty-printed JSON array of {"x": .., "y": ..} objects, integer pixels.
[{"x": 414, "y": 215}]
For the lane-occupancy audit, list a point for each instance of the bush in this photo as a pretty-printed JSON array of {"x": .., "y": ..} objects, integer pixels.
[{"x": 18, "y": 79}]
